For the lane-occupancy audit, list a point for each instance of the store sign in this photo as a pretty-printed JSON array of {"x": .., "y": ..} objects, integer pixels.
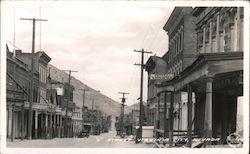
[
  {"x": 59, "y": 91},
  {"x": 161, "y": 76}
]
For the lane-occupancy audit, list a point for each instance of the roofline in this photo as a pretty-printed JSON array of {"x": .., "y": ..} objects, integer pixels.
[
  {"x": 197, "y": 10},
  {"x": 170, "y": 20},
  {"x": 45, "y": 55}
]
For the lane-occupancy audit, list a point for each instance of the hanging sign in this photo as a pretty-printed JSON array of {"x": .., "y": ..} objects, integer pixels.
[{"x": 161, "y": 76}]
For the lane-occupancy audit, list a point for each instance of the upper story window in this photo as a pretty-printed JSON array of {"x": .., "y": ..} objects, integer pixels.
[
  {"x": 42, "y": 73},
  {"x": 180, "y": 41}
]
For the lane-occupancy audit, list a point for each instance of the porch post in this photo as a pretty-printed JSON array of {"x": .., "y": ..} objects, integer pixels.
[
  {"x": 164, "y": 117},
  {"x": 50, "y": 126},
  {"x": 61, "y": 127},
  {"x": 36, "y": 123},
  {"x": 190, "y": 104},
  {"x": 46, "y": 125},
  {"x": 197, "y": 111},
  {"x": 58, "y": 125},
  {"x": 54, "y": 134},
  {"x": 208, "y": 109},
  {"x": 171, "y": 117},
  {"x": 224, "y": 117},
  {"x": 12, "y": 123},
  {"x": 22, "y": 123},
  {"x": 9, "y": 121},
  {"x": 158, "y": 115}
]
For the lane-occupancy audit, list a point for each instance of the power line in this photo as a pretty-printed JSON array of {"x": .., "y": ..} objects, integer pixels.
[
  {"x": 14, "y": 37},
  {"x": 40, "y": 25}
]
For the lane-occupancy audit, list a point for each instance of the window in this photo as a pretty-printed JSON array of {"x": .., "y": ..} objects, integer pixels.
[
  {"x": 176, "y": 47},
  {"x": 181, "y": 40},
  {"x": 42, "y": 73}
]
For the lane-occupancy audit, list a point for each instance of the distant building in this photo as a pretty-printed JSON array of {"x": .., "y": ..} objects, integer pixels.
[
  {"x": 77, "y": 121},
  {"x": 156, "y": 67}
]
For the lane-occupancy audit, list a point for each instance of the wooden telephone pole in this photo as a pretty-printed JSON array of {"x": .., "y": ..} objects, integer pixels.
[
  {"x": 141, "y": 90},
  {"x": 32, "y": 74},
  {"x": 83, "y": 104},
  {"x": 122, "y": 111},
  {"x": 67, "y": 106}
]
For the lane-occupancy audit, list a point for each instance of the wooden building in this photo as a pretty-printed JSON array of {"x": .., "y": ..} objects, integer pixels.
[{"x": 17, "y": 92}]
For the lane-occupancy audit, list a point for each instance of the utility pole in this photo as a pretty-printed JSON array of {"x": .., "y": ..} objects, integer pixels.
[
  {"x": 32, "y": 74},
  {"x": 141, "y": 90},
  {"x": 122, "y": 111},
  {"x": 66, "y": 120},
  {"x": 83, "y": 103},
  {"x": 92, "y": 115}
]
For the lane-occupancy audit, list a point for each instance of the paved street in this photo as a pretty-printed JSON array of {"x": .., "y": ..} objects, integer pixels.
[{"x": 106, "y": 140}]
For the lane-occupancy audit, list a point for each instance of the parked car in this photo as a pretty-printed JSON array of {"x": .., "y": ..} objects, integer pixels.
[{"x": 86, "y": 130}]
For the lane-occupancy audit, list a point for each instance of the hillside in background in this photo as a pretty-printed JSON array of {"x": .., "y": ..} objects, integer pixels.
[{"x": 100, "y": 101}]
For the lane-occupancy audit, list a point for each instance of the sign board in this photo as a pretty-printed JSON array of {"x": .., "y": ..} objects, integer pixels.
[
  {"x": 59, "y": 91},
  {"x": 161, "y": 76},
  {"x": 147, "y": 131}
]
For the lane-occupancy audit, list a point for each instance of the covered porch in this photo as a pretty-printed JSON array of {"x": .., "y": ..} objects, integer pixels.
[{"x": 212, "y": 84}]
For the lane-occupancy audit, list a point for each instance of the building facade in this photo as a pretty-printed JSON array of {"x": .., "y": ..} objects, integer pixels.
[
  {"x": 180, "y": 28},
  {"x": 77, "y": 121},
  {"x": 17, "y": 84},
  {"x": 206, "y": 60},
  {"x": 50, "y": 100},
  {"x": 156, "y": 67}
]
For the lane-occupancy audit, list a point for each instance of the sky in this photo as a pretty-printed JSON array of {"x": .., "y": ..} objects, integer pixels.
[{"x": 96, "y": 39}]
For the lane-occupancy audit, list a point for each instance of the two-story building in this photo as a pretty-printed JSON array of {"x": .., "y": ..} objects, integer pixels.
[
  {"x": 17, "y": 92},
  {"x": 42, "y": 109},
  {"x": 180, "y": 28},
  {"x": 157, "y": 71}
]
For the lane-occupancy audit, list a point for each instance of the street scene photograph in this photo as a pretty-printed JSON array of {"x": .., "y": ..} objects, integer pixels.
[{"x": 122, "y": 75}]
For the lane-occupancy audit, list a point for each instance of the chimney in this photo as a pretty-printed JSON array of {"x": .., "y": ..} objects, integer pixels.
[{"x": 17, "y": 52}]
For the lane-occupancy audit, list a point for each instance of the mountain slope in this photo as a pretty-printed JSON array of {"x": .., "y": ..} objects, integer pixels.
[{"x": 93, "y": 98}]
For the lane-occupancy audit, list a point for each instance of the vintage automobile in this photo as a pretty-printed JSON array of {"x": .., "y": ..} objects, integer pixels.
[{"x": 86, "y": 130}]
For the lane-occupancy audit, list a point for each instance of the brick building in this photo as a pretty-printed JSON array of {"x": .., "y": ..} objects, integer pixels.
[{"x": 180, "y": 28}]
